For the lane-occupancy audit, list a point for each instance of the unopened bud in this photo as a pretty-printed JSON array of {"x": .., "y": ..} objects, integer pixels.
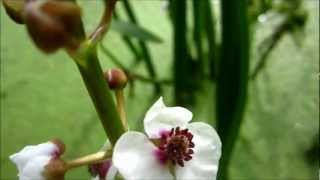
[
  {"x": 116, "y": 78},
  {"x": 53, "y": 24},
  {"x": 55, "y": 169},
  {"x": 41, "y": 161},
  {"x": 14, "y": 9}
]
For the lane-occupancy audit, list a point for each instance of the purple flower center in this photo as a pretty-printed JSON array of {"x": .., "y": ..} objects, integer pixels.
[{"x": 175, "y": 146}]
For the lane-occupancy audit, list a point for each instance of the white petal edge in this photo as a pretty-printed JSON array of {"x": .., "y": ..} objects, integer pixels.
[
  {"x": 133, "y": 156},
  {"x": 22, "y": 157},
  {"x": 161, "y": 118},
  {"x": 34, "y": 168},
  {"x": 154, "y": 109},
  {"x": 207, "y": 152},
  {"x": 112, "y": 172}
]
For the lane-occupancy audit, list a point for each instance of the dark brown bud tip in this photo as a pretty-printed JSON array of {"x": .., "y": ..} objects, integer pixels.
[
  {"x": 53, "y": 24},
  {"x": 55, "y": 170},
  {"x": 14, "y": 9},
  {"x": 116, "y": 78}
]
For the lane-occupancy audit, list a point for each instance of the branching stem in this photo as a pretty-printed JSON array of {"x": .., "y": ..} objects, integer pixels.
[
  {"x": 89, "y": 159},
  {"x": 105, "y": 21}
]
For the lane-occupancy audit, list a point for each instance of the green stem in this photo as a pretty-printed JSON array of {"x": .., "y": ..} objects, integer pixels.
[
  {"x": 105, "y": 21},
  {"x": 89, "y": 159},
  {"x": 232, "y": 79},
  {"x": 211, "y": 37},
  {"x": 198, "y": 32},
  {"x": 121, "y": 108},
  {"x": 100, "y": 93},
  {"x": 182, "y": 63},
  {"x": 269, "y": 44}
]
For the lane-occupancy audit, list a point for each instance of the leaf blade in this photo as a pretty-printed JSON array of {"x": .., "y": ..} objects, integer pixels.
[{"x": 135, "y": 31}]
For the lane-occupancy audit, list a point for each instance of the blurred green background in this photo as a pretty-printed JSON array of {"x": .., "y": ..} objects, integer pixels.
[{"x": 43, "y": 97}]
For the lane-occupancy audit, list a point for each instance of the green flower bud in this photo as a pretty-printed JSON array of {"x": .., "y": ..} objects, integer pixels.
[
  {"x": 116, "y": 78},
  {"x": 14, "y": 9},
  {"x": 53, "y": 24}
]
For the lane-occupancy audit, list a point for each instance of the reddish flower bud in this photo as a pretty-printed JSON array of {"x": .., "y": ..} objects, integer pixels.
[
  {"x": 14, "y": 9},
  {"x": 116, "y": 78},
  {"x": 41, "y": 161},
  {"x": 53, "y": 24},
  {"x": 55, "y": 170}
]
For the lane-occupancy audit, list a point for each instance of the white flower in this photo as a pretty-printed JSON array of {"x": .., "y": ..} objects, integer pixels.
[
  {"x": 174, "y": 147},
  {"x": 32, "y": 160}
]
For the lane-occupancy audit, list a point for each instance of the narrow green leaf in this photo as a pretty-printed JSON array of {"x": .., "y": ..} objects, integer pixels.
[
  {"x": 182, "y": 63},
  {"x": 129, "y": 43},
  {"x": 144, "y": 48},
  {"x": 132, "y": 30},
  {"x": 198, "y": 32},
  {"x": 211, "y": 37},
  {"x": 232, "y": 80}
]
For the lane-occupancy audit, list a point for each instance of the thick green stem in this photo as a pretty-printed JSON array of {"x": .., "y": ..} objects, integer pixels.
[
  {"x": 183, "y": 67},
  {"x": 232, "y": 79},
  {"x": 100, "y": 93}
]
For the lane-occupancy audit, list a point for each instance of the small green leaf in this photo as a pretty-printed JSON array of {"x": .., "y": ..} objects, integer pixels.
[{"x": 132, "y": 30}]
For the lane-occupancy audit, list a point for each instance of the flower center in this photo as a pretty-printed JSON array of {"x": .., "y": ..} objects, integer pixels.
[{"x": 176, "y": 146}]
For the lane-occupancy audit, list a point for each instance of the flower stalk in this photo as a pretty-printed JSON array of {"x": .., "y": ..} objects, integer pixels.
[
  {"x": 105, "y": 21},
  {"x": 92, "y": 75},
  {"x": 121, "y": 107},
  {"x": 89, "y": 159},
  {"x": 90, "y": 69}
]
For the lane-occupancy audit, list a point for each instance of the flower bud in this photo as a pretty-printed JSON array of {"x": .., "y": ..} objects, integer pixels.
[
  {"x": 55, "y": 170},
  {"x": 53, "y": 24},
  {"x": 14, "y": 9},
  {"x": 116, "y": 78},
  {"x": 41, "y": 161}
]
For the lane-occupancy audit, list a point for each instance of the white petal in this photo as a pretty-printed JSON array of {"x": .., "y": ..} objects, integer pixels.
[
  {"x": 207, "y": 152},
  {"x": 112, "y": 172},
  {"x": 133, "y": 156},
  {"x": 154, "y": 109},
  {"x": 27, "y": 153},
  {"x": 34, "y": 168},
  {"x": 160, "y": 118}
]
